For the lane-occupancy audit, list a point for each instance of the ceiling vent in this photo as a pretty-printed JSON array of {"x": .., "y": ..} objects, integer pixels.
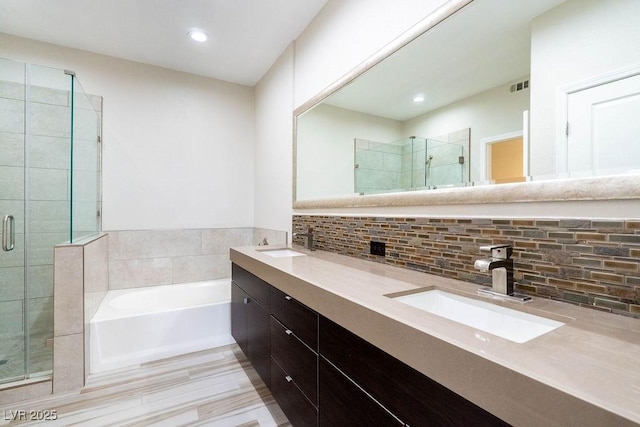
[{"x": 517, "y": 87}]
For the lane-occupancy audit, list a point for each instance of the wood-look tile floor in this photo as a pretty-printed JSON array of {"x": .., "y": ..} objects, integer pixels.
[{"x": 215, "y": 387}]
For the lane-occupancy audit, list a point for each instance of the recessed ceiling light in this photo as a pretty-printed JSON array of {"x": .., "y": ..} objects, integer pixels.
[
  {"x": 418, "y": 98},
  {"x": 198, "y": 35}
]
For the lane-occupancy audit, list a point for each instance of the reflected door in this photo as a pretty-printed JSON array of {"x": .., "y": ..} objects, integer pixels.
[
  {"x": 506, "y": 161},
  {"x": 603, "y": 127}
]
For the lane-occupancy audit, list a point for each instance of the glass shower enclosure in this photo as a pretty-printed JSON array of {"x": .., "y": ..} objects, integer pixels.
[
  {"x": 49, "y": 194},
  {"x": 411, "y": 163}
]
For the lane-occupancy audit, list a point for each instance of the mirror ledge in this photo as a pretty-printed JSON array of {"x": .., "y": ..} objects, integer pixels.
[{"x": 621, "y": 187}]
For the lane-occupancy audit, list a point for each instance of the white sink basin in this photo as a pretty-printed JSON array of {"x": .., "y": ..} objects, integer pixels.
[
  {"x": 282, "y": 253},
  {"x": 504, "y": 322}
]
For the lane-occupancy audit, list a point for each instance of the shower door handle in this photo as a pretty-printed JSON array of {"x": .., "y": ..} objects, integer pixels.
[{"x": 8, "y": 233}]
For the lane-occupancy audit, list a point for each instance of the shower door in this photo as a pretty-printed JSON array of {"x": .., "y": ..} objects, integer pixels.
[
  {"x": 35, "y": 143},
  {"x": 12, "y": 213}
]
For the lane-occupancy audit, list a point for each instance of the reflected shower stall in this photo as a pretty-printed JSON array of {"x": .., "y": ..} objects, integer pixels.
[
  {"x": 49, "y": 194},
  {"x": 411, "y": 163}
]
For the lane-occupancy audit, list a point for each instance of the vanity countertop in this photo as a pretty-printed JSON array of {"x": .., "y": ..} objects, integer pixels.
[{"x": 586, "y": 372}]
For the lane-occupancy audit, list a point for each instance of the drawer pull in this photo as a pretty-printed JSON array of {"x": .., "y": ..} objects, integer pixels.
[
  {"x": 287, "y": 297},
  {"x": 288, "y": 378},
  {"x": 288, "y": 331}
]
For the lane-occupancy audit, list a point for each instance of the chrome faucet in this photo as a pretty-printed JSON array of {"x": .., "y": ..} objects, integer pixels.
[
  {"x": 309, "y": 236},
  {"x": 501, "y": 266}
]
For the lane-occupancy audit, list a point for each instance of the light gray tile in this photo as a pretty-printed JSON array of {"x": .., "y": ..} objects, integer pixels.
[
  {"x": 47, "y": 216},
  {"x": 11, "y": 317},
  {"x": 12, "y": 183},
  {"x": 49, "y": 152},
  {"x": 47, "y": 95},
  {"x": 40, "y": 280},
  {"x": 68, "y": 363},
  {"x": 41, "y": 247},
  {"x": 216, "y": 241},
  {"x": 14, "y": 258},
  {"x": 85, "y": 218},
  {"x": 85, "y": 185},
  {"x": 48, "y": 184},
  {"x": 96, "y": 265},
  {"x": 11, "y": 283},
  {"x": 12, "y": 117},
  {"x": 86, "y": 155},
  {"x": 197, "y": 268},
  {"x": 155, "y": 244},
  {"x": 86, "y": 124},
  {"x": 13, "y": 90},
  {"x": 50, "y": 120},
  {"x": 41, "y": 318},
  {"x": 139, "y": 273},
  {"x": 11, "y": 149},
  {"x": 25, "y": 393},
  {"x": 68, "y": 290}
]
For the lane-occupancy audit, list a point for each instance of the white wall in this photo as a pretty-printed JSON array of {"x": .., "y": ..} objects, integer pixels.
[
  {"x": 490, "y": 113},
  {"x": 559, "y": 39},
  {"x": 326, "y": 155},
  {"x": 344, "y": 35},
  {"x": 274, "y": 145},
  {"x": 178, "y": 148}
]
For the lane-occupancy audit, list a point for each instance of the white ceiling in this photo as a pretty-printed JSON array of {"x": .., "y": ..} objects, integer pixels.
[
  {"x": 245, "y": 36},
  {"x": 485, "y": 45}
]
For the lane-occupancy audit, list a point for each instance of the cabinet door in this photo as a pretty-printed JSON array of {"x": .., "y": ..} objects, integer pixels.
[
  {"x": 342, "y": 403},
  {"x": 259, "y": 340},
  {"x": 293, "y": 402},
  {"x": 239, "y": 298},
  {"x": 413, "y": 397}
]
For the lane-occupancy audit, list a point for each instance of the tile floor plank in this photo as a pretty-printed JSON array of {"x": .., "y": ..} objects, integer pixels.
[{"x": 216, "y": 387}]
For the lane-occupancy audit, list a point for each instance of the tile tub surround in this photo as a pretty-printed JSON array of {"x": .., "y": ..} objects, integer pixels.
[
  {"x": 162, "y": 257},
  {"x": 80, "y": 283},
  {"x": 591, "y": 263}
]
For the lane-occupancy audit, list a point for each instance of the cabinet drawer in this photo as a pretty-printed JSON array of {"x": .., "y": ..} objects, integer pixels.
[
  {"x": 297, "y": 360},
  {"x": 295, "y": 316},
  {"x": 342, "y": 403},
  {"x": 257, "y": 288},
  {"x": 292, "y": 401},
  {"x": 411, "y": 396}
]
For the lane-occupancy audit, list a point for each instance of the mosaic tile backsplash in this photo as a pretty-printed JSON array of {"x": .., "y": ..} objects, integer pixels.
[{"x": 590, "y": 263}]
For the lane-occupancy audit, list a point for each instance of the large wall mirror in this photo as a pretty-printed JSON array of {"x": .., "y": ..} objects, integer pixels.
[{"x": 492, "y": 93}]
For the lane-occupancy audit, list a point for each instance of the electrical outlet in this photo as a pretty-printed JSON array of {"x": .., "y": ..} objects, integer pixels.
[{"x": 377, "y": 248}]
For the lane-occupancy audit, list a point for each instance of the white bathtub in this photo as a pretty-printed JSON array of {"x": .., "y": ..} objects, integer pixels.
[{"x": 134, "y": 326}]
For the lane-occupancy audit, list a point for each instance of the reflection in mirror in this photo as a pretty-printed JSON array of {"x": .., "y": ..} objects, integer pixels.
[
  {"x": 549, "y": 89},
  {"x": 411, "y": 163}
]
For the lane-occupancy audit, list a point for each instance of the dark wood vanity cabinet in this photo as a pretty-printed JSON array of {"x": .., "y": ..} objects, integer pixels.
[
  {"x": 343, "y": 403},
  {"x": 250, "y": 320},
  {"x": 409, "y": 395},
  {"x": 322, "y": 374},
  {"x": 294, "y": 358}
]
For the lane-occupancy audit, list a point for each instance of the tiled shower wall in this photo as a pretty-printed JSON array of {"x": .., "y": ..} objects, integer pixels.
[{"x": 586, "y": 262}]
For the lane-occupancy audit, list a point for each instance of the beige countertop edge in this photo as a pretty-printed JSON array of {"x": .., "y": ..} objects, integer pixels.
[{"x": 534, "y": 383}]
